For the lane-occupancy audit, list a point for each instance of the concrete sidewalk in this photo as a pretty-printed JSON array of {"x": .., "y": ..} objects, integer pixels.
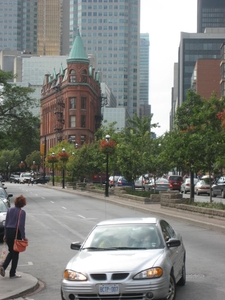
[{"x": 16, "y": 288}]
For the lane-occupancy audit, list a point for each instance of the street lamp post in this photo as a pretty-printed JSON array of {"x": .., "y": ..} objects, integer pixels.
[
  {"x": 107, "y": 137},
  {"x": 63, "y": 171},
  {"x": 53, "y": 173},
  {"x": 7, "y": 170}
]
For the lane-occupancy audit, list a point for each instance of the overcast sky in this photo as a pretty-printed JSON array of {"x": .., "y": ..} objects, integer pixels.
[{"x": 164, "y": 21}]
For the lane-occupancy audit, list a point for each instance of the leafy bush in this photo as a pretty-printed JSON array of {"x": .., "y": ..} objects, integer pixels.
[
  {"x": 140, "y": 193},
  {"x": 214, "y": 205}
]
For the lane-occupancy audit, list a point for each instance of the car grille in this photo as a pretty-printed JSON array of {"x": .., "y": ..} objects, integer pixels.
[
  {"x": 115, "y": 276},
  {"x": 111, "y": 297}
]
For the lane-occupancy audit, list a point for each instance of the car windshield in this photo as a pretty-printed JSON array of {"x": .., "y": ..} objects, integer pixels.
[
  {"x": 124, "y": 237},
  {"x": 179, "y": 178}
]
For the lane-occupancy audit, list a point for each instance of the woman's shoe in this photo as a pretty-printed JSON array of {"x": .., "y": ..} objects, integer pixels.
[
  {"x": 2, "y": 271},
  {"x": 15, "y": 276}
]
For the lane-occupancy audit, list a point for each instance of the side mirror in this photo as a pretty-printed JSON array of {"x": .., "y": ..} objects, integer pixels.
[
  {"x": 10, "y": 195},
  {"x": 173, "y": 243},
  {"x": 75, "y": 246}
]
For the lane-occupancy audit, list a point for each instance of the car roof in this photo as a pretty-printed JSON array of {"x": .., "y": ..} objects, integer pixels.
[{"x": 150, "y": 220}]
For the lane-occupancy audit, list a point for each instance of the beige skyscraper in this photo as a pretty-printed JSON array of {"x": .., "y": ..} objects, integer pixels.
[{"x": 52, "y": 29}]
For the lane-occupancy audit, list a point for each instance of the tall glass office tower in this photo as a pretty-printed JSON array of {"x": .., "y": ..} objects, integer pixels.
[
  {"x": 110, "y": 30},
  {"x": 18, "y": 25},
  {"x": 210, "y": 14},
  {"x": 144, "y": 68}
]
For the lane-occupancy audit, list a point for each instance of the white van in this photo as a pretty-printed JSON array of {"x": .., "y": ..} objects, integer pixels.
[{"x": 24, "y": 177}]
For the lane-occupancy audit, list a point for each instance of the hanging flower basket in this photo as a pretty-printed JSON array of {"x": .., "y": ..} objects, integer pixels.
[
  {"x": 22, "y": 165},
  {"x": 33, "y": 167},
  {"x": 52, "y": 159},
  {"x": 107, "y": 147},
  {"x": 63, "y": 156}
]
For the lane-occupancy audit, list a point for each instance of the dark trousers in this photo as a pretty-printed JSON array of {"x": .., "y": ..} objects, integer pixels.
[{"x": 12, "y": 255}]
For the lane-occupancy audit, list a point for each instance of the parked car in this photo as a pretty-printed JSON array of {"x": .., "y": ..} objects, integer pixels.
[
  {"x": 14, "y": 178},
  {"x": 5, "y": 196},
  {"x": 162, "y": 184},
  {"x": 186, "y": 185},
  {"x": 3, "y": 210},
  {"x": 113, "y": 180},
  {"x": 175, "y": 182},
  {"x": 218, "y": 189},
  {"x": 142, "y": 182},
  {"x": 123, "y": 182},
  {"x": 130, "y": 258},
  {"x": 202, "y": 187},
  {"x": 41, "y": 180}
]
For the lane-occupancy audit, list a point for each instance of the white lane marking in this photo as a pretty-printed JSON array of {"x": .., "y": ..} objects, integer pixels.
[
  {"x": 29, "y": 263},
  {"x": 81, "y": 217},
  {"x": 64, "y": 207},
  {"x": 52, "y": 201}
]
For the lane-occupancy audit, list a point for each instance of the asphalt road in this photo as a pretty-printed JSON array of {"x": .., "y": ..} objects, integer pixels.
[{"x": 55, "y": 219}]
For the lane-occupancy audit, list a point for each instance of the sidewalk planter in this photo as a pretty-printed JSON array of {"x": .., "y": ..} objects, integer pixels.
[
  {"x": 202, "y": 210},
  {"x": 171, "y": 198},
  {"x": 81, "y": 186}
]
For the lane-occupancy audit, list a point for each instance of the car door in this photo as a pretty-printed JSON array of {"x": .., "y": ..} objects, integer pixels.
[
  {"x": 218, "y": 188},
  {"x": 175, "y": 253}
]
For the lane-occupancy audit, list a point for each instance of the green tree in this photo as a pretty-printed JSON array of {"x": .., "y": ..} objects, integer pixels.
[
  {"x": 199, "y": 133},
  {"x": 19, "y": 127},
  {"x": 9, "y": 161},
  {"x": 134, "y": 148}
]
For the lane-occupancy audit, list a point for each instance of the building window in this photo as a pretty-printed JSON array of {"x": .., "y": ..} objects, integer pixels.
[
  {"x": 72, "y": 121},
  {"x": 83, "y": 102},
  {"x": 83, "y": 121},
  {"x": 72, "y": 76},
  {"x": 72, "y": 103},
  {"x": 84, "y": 76},
  {"x": 82, "y": 139}
]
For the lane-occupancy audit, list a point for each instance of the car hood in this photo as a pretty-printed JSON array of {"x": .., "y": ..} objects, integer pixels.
[{"x": 104, "y": 261}]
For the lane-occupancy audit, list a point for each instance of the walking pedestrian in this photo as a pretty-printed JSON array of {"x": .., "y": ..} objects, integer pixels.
[{"x": 10, "y": 233}]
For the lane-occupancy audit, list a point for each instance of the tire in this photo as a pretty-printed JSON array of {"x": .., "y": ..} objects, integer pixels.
[
  {"x": 172, "y": 289},
  {"x": 185, "y": 191},
  {"x": 182, "y": 281},
  {"x": 62, "y": 295}
]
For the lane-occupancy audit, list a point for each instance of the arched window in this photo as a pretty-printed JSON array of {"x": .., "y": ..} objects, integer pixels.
[
  {"x": 72, "y": 76},
  {"x": 84, "y": 76}
]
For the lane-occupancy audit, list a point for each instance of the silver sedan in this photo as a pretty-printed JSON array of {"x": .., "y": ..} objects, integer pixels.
[{"x": 130, "y": 258}]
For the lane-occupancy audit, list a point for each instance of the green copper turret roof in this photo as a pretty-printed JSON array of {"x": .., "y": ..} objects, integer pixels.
[{"x": 77, "y": 52}]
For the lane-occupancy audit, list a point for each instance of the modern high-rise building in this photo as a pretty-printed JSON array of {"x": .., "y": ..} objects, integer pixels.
[
  {"x": 145, "y": 108},
  {"x": 210, "y": 14},
  {"x": 111, "y": 31},
  {"x": 18, "y": 25},
  {"x": 53, "y": 27},
  {"x": 194, "y": 46},
  {"x": 144, "y": 68}
]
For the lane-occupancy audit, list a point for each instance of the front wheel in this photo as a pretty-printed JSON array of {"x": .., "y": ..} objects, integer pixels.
[{"x": 172, "y": 289}]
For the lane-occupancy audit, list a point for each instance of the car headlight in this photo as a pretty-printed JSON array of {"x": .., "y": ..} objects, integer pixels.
[
  {"x": 149, "y": 273},
  {"x": 74, "y": 276}
]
